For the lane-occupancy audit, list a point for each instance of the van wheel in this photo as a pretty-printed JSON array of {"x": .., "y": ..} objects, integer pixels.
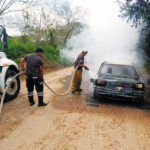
[{"x": 14, "y": 87}]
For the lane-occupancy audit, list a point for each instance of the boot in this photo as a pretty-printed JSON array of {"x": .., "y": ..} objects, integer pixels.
[
  {"x": 31, "y": 101},
  {"x": 80, "y": 90},
  {"x": 41, "y": 103},
  {"x": 74, "y": 91}
]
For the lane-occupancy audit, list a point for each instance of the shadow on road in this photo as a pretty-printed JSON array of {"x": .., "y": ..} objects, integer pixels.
[{"x": 119, "y": 102}]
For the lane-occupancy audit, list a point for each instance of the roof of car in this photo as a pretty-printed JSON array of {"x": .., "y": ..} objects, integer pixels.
[{"x": 114, "y": 63}]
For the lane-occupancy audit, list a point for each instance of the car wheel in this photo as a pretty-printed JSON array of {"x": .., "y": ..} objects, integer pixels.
[
  {"x": 14, "y": 88},
  {"x": 140, "y": 101}
]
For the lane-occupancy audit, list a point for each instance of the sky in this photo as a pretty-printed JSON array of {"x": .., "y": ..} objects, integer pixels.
[{"x": 101, "y": 12}]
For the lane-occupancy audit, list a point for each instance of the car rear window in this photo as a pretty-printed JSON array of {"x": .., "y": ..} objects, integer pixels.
[{"x": 125, "y": 71}]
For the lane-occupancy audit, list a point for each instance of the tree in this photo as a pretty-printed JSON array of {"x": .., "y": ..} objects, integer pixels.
[
  {"x": 73, "y": 19},
  {"x": 11, "y": 10},
  {"x": 55, "y": 25},
  {"x": 39, "y": 27},
  {"x": 7, "y": 6},
  {"x": 138, "y": 12}
]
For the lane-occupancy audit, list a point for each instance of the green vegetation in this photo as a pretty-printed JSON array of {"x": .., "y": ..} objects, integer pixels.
[{"x": 22, "y": 45}]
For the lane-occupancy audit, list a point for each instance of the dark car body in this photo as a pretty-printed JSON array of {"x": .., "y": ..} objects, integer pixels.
[{"x": 119, "y": 81}]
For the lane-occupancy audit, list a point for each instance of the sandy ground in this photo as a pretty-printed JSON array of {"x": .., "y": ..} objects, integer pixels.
[{"x": 74, "y": 122}]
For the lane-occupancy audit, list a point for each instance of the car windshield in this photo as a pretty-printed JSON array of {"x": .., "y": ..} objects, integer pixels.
[{"x": 124, "y": 71}]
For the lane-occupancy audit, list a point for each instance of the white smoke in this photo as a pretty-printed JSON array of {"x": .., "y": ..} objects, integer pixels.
[{"x": 108, "y": 38}]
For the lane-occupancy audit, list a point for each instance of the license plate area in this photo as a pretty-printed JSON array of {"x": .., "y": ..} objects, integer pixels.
[{"x": 119, "y": 89}]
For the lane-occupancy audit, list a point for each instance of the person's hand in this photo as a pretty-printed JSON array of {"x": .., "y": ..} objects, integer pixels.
[
  {"x": 86, "y": 68},
  {"x": 23, "y": 69}
]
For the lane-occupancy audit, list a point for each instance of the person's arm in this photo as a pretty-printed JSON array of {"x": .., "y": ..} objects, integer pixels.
[
  {"x": 22, "y": 61},
  {"x": 41, "y": 73},
  {"x": 82, "y": 65},
  {"x": 86, "y": 68}
]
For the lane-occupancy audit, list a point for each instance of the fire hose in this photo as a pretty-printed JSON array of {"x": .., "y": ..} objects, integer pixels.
[
  {"x": 63, "y": 94},
  {"x": 4, "y": 93},
  {"x": 68, "y": 90}
]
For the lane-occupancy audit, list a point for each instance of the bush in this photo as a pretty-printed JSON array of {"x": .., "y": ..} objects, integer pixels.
[{"x": 22, "y": 45}]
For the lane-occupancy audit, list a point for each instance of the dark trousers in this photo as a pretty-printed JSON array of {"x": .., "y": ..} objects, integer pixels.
[{"x": 38, "y": 83}]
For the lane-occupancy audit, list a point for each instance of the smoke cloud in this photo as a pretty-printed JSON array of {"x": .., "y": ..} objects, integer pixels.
[{"x": 108, "y": 37}]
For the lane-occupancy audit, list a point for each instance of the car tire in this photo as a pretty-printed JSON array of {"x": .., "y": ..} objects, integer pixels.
[{"x": 14, "y": 88}]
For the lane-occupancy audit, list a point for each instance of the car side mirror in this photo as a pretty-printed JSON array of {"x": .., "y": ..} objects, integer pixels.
[{"x": 91, "y": 80}]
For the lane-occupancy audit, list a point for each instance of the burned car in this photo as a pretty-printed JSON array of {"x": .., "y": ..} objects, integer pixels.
[{"x": 119, "y": 81}]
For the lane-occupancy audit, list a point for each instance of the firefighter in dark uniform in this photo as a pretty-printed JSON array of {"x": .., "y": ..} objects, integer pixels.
[
  {"x": 34, "y": 75},
  {"x": 79, "y": 63}
]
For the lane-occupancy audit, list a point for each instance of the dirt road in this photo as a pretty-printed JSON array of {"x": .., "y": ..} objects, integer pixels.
[{"x": 74, "y": 122}]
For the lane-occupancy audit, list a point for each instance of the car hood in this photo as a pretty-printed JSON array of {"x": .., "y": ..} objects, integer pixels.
[{"x": 120, "y": 80}]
